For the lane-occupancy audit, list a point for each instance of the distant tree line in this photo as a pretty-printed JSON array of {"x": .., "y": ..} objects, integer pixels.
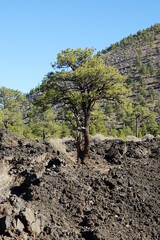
[{"x": 147, "y": 35}]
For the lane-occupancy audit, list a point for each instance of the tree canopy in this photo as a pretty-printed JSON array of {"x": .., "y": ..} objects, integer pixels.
[
  {"x": 78, "y": 81},
  {"x": 12, "y": 105}
]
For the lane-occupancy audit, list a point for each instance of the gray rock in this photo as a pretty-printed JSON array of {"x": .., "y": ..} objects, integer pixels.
[
  {"x": 36, "y": 226},
  {"x": 19, "y": 225},
  {"x": 28, "y": 214}
]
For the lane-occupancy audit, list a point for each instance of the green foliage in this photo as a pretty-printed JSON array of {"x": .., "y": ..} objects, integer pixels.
[
  {"x": 143, "y": 69},
  {"x": 98, "y": 119},
  {"x": 158, "y": 50},
  {"x": 44, "y": 124},
  {"x": 138, "y": 61},
  {"x": 129, "y": 80},
  {"x": 12, "y": 104},
  {"x": 146, "y": 121},
  {"x": 121, "y": 134},
  {"x": 141, "y": 99},
  {"x": 151, "y": 68},
  {"x": 82, "y": 80},
  {"x": 140, "y": 51},
  {"x": 113, "y": 131},
  {"x": 147, "y": 35},
  {"x": 142, "y": 82},
  {"x": 158, "y": 73},
  {"x": 143, "y": 95},
  {"x": 73, "y": 59},
  {"x": 152, "y": 94},
  {"x": 109, "y": 108},
  {"x": 1, "y": 119}
]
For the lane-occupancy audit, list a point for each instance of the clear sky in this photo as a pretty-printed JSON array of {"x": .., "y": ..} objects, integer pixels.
[{"x": 32, "y": 32}]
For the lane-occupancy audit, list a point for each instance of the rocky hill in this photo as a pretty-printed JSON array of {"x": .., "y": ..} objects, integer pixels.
[
  {"x": 44, "y": 194},
  {"x": 138, "y": 56}
]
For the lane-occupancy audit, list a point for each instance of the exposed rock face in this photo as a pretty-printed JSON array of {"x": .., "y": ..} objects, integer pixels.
[{"x": 46, "y": 195}]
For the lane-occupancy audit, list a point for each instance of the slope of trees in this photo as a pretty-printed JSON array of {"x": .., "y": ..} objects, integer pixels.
[
  {"x": 139, "y": 62},
  {"x": 82, "y": 95},
  {"x": 146, "y": 35},
  {"x": 44, "y": 124},
  {"x": 12, "y": 106}
]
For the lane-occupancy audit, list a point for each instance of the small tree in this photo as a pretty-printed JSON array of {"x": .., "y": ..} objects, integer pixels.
[
  {"x": 81, "y": 80},
  {"x": 43, "y": 124},
  {"x": 12, "y": 106}
]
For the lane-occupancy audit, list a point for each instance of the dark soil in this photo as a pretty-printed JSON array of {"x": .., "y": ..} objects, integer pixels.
[{"x": 114, "y": 196}]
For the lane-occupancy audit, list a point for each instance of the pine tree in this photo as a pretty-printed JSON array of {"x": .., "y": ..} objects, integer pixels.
[{"x": 81, "y": 80}]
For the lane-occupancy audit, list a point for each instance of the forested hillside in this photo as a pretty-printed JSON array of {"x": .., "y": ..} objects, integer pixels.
[{"x": 137, "y": 57}]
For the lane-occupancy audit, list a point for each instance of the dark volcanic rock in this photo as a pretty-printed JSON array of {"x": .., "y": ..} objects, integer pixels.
[{"x": 45, "y": 196}]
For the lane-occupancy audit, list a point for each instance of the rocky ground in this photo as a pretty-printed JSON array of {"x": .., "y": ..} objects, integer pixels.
[{"x": 44, "y": 194}]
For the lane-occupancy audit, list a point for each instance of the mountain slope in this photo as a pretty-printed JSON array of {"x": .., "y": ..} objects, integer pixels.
[{"x": 138, "y": 58}]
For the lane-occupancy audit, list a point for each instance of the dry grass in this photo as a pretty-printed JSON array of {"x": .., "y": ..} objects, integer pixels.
[
  {"x": 133, "y": 138},
  {"x": 5, "y": 178},
  {"x": 148, "y": 137},
  {"x": 59, "y": 144},
  {"x": 100, "y": 137}
]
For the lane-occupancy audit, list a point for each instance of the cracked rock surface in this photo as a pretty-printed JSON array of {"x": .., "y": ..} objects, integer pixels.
[{"x": 45, "y": 195}]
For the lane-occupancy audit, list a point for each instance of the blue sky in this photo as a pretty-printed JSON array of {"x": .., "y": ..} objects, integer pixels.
[{"x": 32, "y": 32}]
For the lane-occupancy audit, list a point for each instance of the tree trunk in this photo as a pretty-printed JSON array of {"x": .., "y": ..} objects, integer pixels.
[
  {"x": 5, "y": 124},
  {"x": 137, "y": 125},
  {"x": 82, "y": 153},
  {"x": 44, "y": 135},
  {"x": 85, "y": 151},
  {"x": 78, "y": 145}
]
